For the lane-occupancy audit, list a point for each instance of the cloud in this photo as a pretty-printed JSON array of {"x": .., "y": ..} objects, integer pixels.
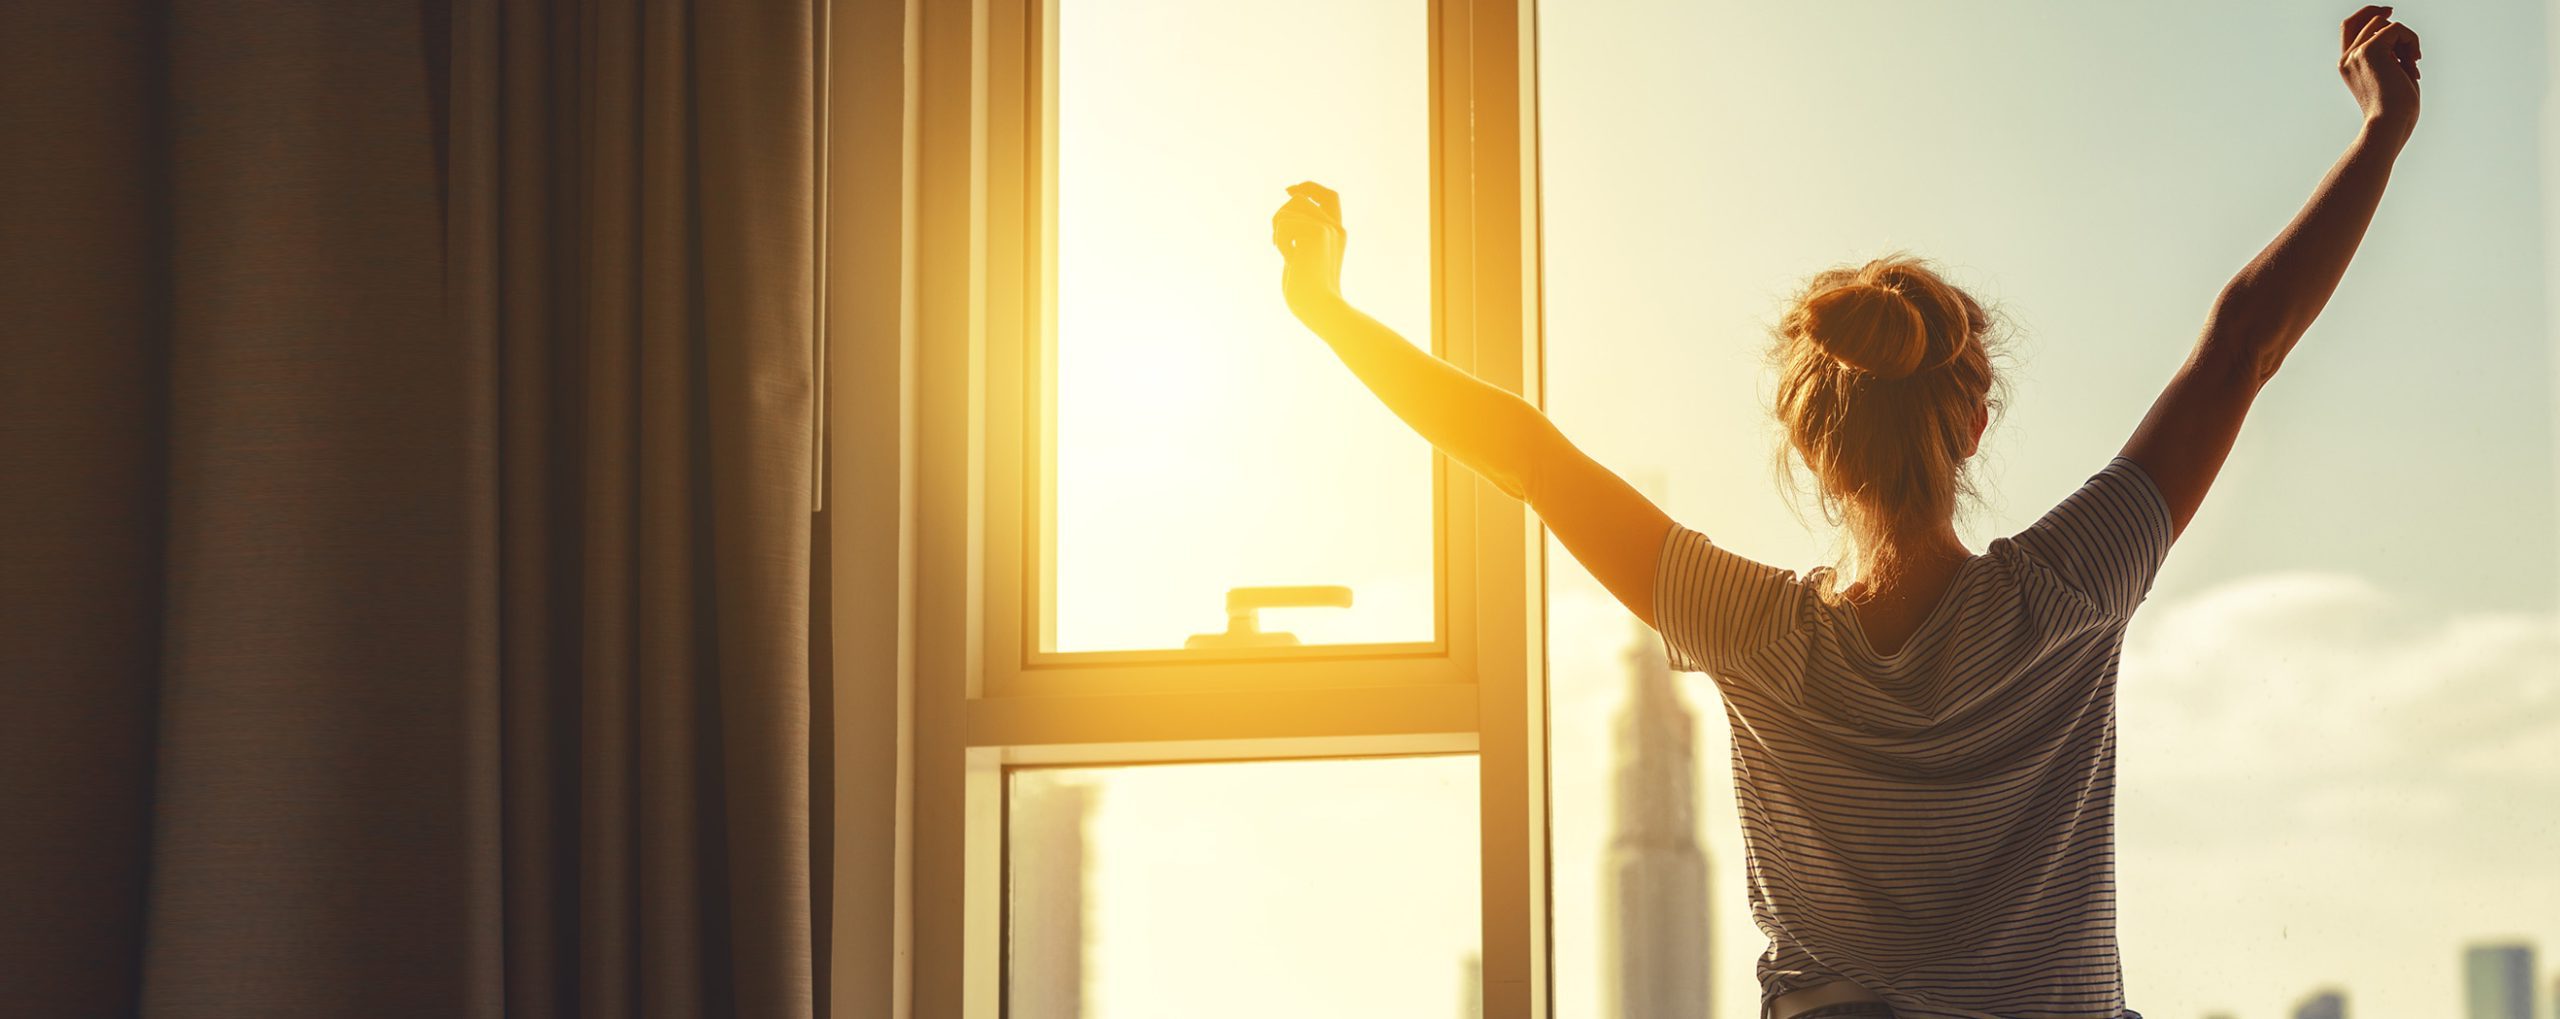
[
  {"x": 2322, "y": 783},
  {"x": 2319, "y": 702}
]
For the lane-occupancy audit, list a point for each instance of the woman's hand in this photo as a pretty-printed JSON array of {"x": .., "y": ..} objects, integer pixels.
[
  {"x": 1308, "y": 232},
  {"x": 2379, "y": 59}
]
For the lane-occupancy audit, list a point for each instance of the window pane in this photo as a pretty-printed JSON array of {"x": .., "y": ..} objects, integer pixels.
[
  {"x": 1340, "y": 888},
  {"x": 2339, "y": 713},
  {"x": 1204, "y": 439}
]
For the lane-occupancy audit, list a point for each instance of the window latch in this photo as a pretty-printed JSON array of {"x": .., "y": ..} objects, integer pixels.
[{"x": 1244, "y": 614}]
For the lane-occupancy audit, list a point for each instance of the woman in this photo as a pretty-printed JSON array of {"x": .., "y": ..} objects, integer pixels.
[{"x": 1925, "y": 758}]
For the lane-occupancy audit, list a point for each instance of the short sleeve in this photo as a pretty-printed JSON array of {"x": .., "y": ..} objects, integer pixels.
[
  {"x": 1713, "y": 607},
  {"x": 2105, "y": 542}
]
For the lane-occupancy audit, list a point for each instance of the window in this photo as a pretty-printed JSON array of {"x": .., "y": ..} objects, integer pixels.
[
  {"x": 1135, "y": 474},
  {"x": 1184, "y": 492},
  {"x": 2337, "y": 718}
]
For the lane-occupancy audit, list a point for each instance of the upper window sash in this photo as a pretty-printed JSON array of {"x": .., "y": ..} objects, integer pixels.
[{"x": 1471, "y": 562}]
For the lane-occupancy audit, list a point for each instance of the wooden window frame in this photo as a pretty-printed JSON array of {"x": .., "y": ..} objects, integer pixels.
[{"x": 974, "y": 267}]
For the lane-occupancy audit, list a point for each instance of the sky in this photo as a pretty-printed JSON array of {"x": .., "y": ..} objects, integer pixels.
[{"x": 2340, "y": 708}]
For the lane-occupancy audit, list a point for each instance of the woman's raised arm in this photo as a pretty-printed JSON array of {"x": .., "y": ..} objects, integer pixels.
[
  {"x": 1611, "y": 528},
  {"x": 2264, "y": 310}
]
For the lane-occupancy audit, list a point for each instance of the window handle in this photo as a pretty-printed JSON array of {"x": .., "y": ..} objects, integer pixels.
[{"x": 1244, "y": 614}]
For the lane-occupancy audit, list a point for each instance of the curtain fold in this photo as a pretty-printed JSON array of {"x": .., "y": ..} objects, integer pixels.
[
  {"x": 82, "y": 343},
  {"x": 406, "y": 560}
]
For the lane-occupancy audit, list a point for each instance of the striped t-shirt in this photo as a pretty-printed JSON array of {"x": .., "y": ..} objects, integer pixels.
[{"x": 1937, "y": 824}]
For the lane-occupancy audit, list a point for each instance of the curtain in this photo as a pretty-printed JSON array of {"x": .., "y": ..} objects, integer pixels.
[{"x": 405, "y": 475}]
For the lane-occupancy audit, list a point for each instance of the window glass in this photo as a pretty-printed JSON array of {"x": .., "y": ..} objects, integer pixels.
[
  {"x": 1267, "y": 889},
  {"x": 1204, "y": 440},
  {"x": 2339, "y": 715}
]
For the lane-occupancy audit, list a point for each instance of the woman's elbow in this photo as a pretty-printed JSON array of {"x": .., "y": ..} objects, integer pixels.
[{"x": 2246, "y": 341}]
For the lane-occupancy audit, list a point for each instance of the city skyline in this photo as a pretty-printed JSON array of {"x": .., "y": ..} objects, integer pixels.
[
  {"x": 2499, "y": 982},
  {"x": 1652, "y": 868}
]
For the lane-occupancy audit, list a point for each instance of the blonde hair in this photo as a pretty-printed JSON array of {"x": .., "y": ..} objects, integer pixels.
[{"x": 1880, "y": 371}]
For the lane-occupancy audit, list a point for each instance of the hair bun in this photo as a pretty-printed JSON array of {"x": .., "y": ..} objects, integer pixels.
[{"x": 1868, "y": 326}]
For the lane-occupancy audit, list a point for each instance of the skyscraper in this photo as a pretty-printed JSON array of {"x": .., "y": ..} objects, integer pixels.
[
  {"x": 2323, "y": 1004},
  {"x": 1654, "y": 882},
  {"x": 2497, "y": 981},
  {"x": 1048, "y": 886},
  {"x": 1471, "y": 987}
]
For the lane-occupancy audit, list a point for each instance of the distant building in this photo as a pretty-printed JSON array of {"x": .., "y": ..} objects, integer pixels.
[
  {"x": 2326, "y": 1004},
  {"x": 1045, "y": 952},
  {"x": 2497, "y": 981},
  {"x": 1653, "y": 926},
  {"x": 1471, "y": 987}
]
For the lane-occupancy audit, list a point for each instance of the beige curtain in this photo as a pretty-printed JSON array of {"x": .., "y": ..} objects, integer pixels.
[{"x": 405, "y": 430}]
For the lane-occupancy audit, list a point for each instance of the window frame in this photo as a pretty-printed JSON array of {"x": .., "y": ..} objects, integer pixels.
[{"x": 982, "y": 703}]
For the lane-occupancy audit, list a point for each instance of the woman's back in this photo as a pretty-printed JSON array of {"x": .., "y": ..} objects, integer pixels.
[{"x": 1937, "y": 823}]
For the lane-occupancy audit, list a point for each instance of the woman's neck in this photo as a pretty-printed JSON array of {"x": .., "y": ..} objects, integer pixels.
[
  {"x": 1937, "y": 546},
  {"x": 1922, "y": 559}
]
